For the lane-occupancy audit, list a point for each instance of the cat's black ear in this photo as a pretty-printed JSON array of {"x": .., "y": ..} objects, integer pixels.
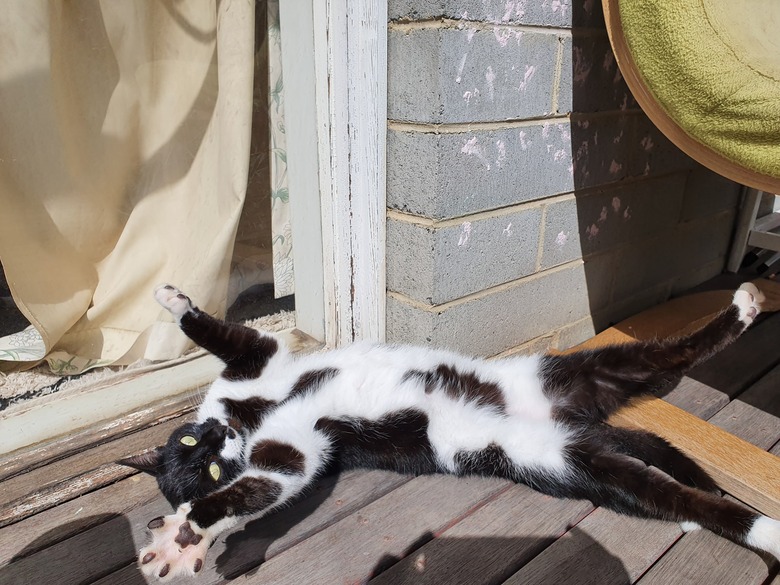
[{"x": 149, "y": 462}]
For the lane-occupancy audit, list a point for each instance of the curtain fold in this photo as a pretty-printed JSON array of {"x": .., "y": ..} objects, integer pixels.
[{"x": 123, "y": 164}]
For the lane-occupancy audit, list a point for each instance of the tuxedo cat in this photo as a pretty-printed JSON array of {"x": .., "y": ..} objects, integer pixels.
[{"x": 273, "y": 422}]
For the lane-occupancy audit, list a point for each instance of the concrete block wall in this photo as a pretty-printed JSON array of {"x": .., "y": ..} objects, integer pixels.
[{"x": 530, "y": 201}]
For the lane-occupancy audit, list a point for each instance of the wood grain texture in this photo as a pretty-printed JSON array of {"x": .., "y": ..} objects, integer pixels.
[
  {"x": 491, "y": 544},
  {"x": 25, "y": 460},
  {"x": 749, "y": 423},
  {"x": 703, "y": 557},
  {"x": 257, "y": 540},
  {"x": 63, "y": 521},
  {"x": 604, "y": 549},
  {"x": 697, "y": 398},
  {"x": 365, "y": 543},
  {"x": 42, "y": 488},
  {"x": 743, "y": 470}
]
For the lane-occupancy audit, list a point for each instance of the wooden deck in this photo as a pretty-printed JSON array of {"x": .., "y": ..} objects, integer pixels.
[{"x": 68, "y": 514}]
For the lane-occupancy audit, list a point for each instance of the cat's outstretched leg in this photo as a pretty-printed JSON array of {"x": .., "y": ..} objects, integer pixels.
[
  {"x": 180, "y": 541},
  {"x": 245, "y": 351},
  {"x": 590, "y": 385},
  {"x": 626, "y": 485}
]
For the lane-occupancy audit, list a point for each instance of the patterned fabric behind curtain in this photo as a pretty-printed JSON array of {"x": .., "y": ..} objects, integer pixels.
[
  {"x": 280, "y": 195},
  {"x": 123, "y": 164}
]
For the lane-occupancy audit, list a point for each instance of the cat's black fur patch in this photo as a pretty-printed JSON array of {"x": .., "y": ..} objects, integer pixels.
[
  {"x": 310, "y": 381},
  {"x": 459, "y": 385},
  {"x": 247, "y": 414},
  {"x": 245, "y": 351},
  {"x": 397, "y": 441},
  {"x": 246, "y": 496},
  {"x": 276, "y": 456}
]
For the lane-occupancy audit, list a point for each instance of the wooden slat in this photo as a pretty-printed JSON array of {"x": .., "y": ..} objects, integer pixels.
[
  {"x": 252, "y": 543},
  {"x": 361, "y": 545},
  {"x": 749, "y": 423},
  {"x": 743, "y": 470},
  {"x": 29, "y": 493},
  {"x": 112, "y": 545},
  {"x": 88, "y": 555},
  {"x": 696, "y": 398},
  {"x": 491, "y": 544},
  {"x": 63, "y": 521},
  {"x": 25, "y": 460},
  {"x": 703, "y": 557},
  {"x": 604, "y": 549},
  {"x": 739, "y": 365}
]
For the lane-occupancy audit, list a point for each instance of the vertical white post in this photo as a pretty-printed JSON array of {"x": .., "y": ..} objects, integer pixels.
[{"x": 350, "y": 93}]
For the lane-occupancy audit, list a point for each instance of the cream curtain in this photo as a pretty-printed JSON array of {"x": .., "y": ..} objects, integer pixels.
[{"x": 123, "y": 163}]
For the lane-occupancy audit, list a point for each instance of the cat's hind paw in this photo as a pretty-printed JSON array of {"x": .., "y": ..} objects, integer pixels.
[
  {"x": 748, "y": 300},
  {"x": 172, "y": 299},
  {"x": 178, "y": 547}
]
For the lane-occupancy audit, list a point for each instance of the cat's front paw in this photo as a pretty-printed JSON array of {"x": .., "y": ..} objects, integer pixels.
[
  {"x": 178, "y": 547},
  {"x": 172, "y": 299},
  {"x": 748, "y": 300}
]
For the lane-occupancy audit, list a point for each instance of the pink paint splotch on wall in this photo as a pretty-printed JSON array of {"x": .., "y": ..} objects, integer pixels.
[
  {"x": 465, "y": 233},
  {"x": 472, "y": 147},
  {"x": 524, "y": 144},
  {"x": 581, "y": 66},
  {"x": 560, "y": 6},
  {"x": 529, "y": 73},
  {"x": 513, "y": 8},
  {"x": 561, "y": 239},
  {"x": 490, "y": 77},
  {"x": 616, "y": 203},
  {"x": 459, "y": 76},
  {"x": 615, "y": 167},
  {"x": 505, "y": 34},
  {"x": 501, "y": 148}
]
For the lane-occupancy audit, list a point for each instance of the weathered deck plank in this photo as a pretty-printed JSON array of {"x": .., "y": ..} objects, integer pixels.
[
  {"x": 491, "y": 544},
  {"x": 604, "y": 549},
  {"x": 703, "y": 557},
  {"x": 28, "y": 493},
  {"x": 365, "y": 543},
  {"x": 431, "y": 529},
  {"x": 65, "y": 520}
]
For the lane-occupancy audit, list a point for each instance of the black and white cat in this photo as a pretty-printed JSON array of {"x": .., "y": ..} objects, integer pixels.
[{"x": 273, "y": 422}]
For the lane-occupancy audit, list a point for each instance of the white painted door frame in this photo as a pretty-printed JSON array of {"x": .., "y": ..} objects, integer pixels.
[{"x": 334, "y": 62}]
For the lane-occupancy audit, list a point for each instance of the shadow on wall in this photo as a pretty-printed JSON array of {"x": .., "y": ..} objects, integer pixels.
[{"x": 650, "y": 223}]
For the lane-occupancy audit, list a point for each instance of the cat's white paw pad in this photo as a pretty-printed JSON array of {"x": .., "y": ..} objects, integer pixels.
[
  {"x": 748, "y": 300},
  {"x": 178, "y": 547},
  {"x": 173, "y": 299}
]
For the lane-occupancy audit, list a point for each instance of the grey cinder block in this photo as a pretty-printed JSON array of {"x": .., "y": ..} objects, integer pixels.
[
  {"x": 455, "y": 174},
  {"x": 453, "y": 75},
  {"x": 435, "y": 265},
  {"x": 490, "y": 324}
]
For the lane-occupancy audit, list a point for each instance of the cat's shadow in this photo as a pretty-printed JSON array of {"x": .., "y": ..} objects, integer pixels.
[
  {"x": 247, "y": 548},
  {"x": 428, "y": 559}
]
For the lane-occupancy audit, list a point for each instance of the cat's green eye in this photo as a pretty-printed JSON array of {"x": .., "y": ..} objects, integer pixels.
[
  {"x": 214, "y": 471},
  {"x": 188, "y": 440}
]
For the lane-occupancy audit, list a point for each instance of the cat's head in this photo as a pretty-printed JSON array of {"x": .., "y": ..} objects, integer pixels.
[{"x": 198, "y": 459}]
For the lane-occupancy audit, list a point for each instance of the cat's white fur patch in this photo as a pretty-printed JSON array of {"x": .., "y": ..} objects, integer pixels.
[
  {"x": 690, "y": 526},
  {"x": 166, "y": 552},
  {"x": 748, "y": 300},
  {"x": 765, "y": 535},
  {"x": 171, "y": 299}
]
